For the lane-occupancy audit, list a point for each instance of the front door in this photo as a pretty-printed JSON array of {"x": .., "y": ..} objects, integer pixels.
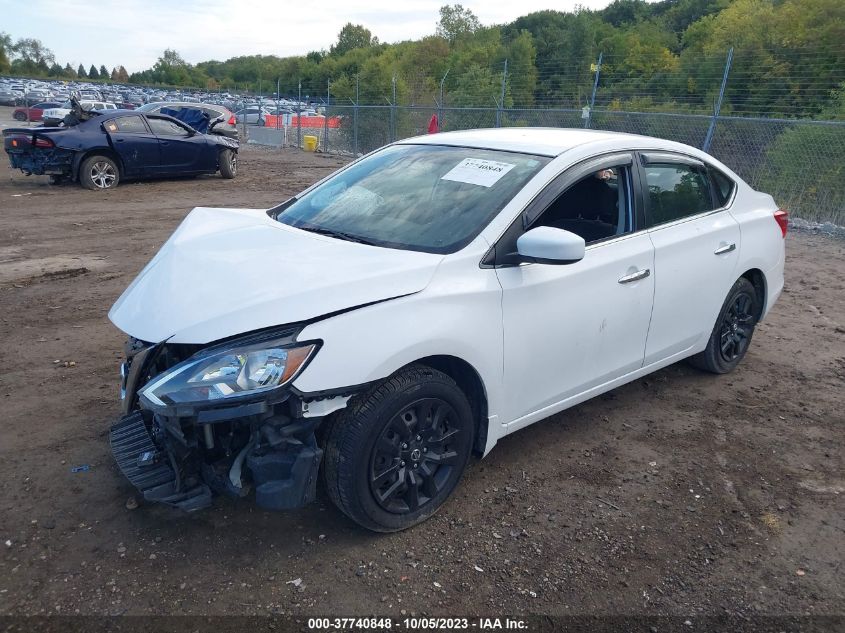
[
  {"x": 570, "y": 328},
  {"x": 182, "y": 151}
]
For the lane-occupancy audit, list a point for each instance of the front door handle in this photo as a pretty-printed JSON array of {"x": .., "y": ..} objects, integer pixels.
[
  {"x": 640, "y": 274},
  {"x": 727, "y": 248}
]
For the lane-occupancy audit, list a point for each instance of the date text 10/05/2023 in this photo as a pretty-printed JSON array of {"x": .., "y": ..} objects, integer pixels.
[{"x": 416, "y": 624}]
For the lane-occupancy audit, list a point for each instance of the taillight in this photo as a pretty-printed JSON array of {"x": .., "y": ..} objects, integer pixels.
[
  {"x": 233, "y": 120},
  {"x": 18, "y": 141},
  {"x": 782, "y": 218},
  {"x": 43, "y": 143}
]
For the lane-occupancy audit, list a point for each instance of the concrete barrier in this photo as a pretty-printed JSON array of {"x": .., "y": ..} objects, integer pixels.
[{"x": 266, "y": 136}]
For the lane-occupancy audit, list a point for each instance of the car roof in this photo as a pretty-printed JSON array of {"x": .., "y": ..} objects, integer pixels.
[{"x": 541, "y": 141}]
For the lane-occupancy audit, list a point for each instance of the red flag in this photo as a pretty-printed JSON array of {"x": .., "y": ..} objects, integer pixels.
[{"x": 432, "y": 125}]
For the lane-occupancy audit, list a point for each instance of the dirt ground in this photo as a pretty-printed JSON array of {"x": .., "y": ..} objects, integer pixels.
[{"x": 679, "y": 494}]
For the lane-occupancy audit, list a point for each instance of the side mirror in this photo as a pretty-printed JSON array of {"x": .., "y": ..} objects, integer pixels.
[{"x": 548, "y": 245}]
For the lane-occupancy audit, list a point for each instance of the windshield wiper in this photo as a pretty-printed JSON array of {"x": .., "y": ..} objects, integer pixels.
[{"x": 349, "y": 237}]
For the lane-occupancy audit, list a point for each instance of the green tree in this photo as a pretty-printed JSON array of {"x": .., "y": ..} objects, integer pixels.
[
  {"x": 456, "y": 22},
  {"x": 5, "y": 52},
  {"x": 352, "y": 36},
  {"x": 522, "y": 75},
  {"x": 104, "y": 73},
  {"x": 80, "y": 72},
  {"x": 93, "y": 73},
  {"x": 69, "y": 72},
  {"x": 31, "y": 57}
]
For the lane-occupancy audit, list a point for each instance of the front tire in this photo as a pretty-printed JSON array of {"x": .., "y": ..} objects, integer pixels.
[
  {"x": 20, "y": 116},
  {"x": 228, "y": 162},
  {"x": 99, "y": 173},
  {"x": 732, "y": 333},
  {"x": 395, "y": 454}
]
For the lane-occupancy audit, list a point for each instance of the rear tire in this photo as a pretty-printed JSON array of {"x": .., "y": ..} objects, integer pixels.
[
  {"x": 99, "y": 173},
  {"x": 732, "y": 333},
  {"x": 228, "y": 162},
  {"x": 395, "y": 454},
  {"x": 20, "y": 116}
]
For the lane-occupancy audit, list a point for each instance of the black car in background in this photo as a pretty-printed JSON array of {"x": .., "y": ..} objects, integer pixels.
[{"x": 107, "y": 147}]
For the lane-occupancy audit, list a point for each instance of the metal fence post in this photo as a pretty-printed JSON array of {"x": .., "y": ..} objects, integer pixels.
[
  {"x": 501, "y": 103},
  {"x": 442, "y": 104},
  {"x": 299, "y": 115},
  {"x": 355, "y": 118},
  {"x": 393, "y": 113},
  {"x": 326, "y": 116},
  {"x": 593, "y": 95},
  {"x": 712, "y": 129},
  {"x": 278, "y": 96}
]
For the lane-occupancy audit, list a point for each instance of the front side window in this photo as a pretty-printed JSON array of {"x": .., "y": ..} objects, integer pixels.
[
  {"x": 163, "y": 127},
  {"x": 596, "y": 207},
  {"x": 427, "y": 198},
  {"x": 676, "y": 191}
]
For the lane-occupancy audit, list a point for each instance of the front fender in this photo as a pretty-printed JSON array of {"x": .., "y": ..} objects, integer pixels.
[{"x": 463, "y": 320}]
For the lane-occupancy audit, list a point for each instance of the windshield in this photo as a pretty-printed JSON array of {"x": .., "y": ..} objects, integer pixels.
[{"x": 429, "y": 198}]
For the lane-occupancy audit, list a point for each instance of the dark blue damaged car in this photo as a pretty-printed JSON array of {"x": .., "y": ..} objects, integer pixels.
[{"x": 100, "y": 149}]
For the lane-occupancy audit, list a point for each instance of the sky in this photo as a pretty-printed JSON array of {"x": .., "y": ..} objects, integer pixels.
[{"x": 134, "y": 33}]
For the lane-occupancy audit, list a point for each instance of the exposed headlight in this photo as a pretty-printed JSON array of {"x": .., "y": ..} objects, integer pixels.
[{"x": 229, "y": 373}]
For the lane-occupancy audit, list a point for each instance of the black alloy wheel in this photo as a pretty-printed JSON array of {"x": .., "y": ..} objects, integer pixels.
[
  {"x": 737, "y": 327},
  {"x": 396, "y": 452},
  {"x": 415, "y": 455},
  {"x": 733, "y": 330}
]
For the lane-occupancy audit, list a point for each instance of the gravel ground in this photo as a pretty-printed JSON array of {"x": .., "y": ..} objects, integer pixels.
[{"x": 679, "y": 494}]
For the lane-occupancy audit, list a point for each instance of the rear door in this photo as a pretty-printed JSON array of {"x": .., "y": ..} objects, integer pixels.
[
  {"x": 137, "y": 146},
  {"x": 696, "y": 246},
  {"x": 182, "y": 150}
]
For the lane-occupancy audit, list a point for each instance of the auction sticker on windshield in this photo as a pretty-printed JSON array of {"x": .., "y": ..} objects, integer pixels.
[{"x": 477, "y": 171}]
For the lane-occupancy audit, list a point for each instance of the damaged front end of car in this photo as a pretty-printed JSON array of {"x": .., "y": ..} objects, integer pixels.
[{"x": 219, "y": 419}]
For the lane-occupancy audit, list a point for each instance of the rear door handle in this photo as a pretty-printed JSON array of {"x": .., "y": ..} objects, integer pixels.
[
  {"x": 640, "y": 274},
  {"x": 727, "y": 248}
]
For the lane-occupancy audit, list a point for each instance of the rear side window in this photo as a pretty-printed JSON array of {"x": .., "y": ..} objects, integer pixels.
[
  {"x": 676, "y": 191},
  {"x": 128, "y": 125},
  {"x": 723, "y": 187}
]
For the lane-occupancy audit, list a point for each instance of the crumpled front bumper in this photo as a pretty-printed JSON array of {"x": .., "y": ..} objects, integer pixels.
[{"x": 183, "y": 457}]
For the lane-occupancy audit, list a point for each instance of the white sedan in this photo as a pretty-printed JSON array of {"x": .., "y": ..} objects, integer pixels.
[{"x": 422, "y": 303}]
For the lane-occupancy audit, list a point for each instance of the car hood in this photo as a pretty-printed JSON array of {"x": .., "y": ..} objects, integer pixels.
[{"x": 229, "y": 271}]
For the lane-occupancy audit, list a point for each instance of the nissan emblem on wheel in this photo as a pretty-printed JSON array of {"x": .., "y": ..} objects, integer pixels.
[{"x": 376, "y": 331}]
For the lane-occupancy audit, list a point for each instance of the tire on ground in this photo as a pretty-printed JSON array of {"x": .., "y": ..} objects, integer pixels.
[
  {"x": 228, "y": 162},
  {"x": 736, "y": 321},
  {"x": 352, "y": 433},
  {"x": 107, "y": 168}
]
